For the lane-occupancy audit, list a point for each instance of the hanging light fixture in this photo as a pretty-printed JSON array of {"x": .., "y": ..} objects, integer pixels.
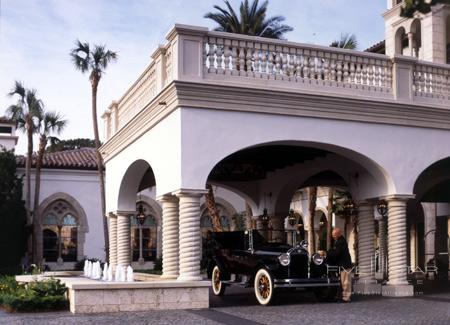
[
  {"x": 382, "y": 208},
  {"x": 140, "y": 217},
  {"x": 291, "y": 218},
  {"x": 349, "y": 208},
  {"x": 265, "y": 216}
]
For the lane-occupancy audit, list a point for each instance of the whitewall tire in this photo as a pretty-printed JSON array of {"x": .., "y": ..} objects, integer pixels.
[
  {"x": 263, "y": 287},
  {"x": 218, "y": 287}
]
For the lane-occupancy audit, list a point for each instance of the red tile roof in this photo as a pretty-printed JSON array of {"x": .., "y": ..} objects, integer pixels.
[
  {"x": 83, "y": 158},
  {"x": 4, "y": 119},
  {"x": 379, "y": 47}
]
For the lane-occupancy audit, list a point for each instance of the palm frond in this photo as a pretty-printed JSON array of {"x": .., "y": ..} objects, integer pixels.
[
  {"x": 346, "y": 41},
  {"x": 81, "y": 56},
  {"x": 252, "y": 20}
]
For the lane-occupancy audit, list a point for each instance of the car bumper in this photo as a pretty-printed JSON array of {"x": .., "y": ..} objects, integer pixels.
[{"x": 305, "y": 283}]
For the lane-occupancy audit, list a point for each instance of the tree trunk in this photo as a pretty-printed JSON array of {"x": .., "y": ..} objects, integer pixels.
[
  {"x": 212, "y": 210},
  {"x": 37, "y": 185},
  {"x": 312, "y": 191},
  {"x": 30, "y": 222},
  {"x": 330, "y": 216},
  {"x": 94, "y": 86},
  {"x": 248, "y": 216}
]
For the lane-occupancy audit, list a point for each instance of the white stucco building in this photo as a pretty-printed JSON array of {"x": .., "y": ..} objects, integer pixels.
[{"x": 259, "y": 116}]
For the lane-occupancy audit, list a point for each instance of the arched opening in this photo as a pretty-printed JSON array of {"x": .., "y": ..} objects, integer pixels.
[
  {"x": 137, "y": 198},
  {"x": 401, "y": 41},
  {"x": 432, "y": 190},
  {"x": 416, "y": 45},
  {"x": 144, "y": 236},
  {"x": 277, "y": 176}
]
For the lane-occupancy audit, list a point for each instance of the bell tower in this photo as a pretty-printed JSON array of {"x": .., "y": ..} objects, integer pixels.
[
  {"x": 8, "y": 138},
  {"x": 425, "y": 36}
]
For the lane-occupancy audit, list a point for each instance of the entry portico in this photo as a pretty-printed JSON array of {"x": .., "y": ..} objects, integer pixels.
[{"x": 255, "y": 116}]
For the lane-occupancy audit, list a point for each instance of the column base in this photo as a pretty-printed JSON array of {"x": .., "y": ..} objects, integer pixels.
[
  {"x": 189, "y": 278},
  {"x": 362, "y": 288},
  {"x": 398, "y": 290},
  {"x": 169, "y": 276}
]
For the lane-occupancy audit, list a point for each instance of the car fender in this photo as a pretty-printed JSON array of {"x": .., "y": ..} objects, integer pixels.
[{"x": 224, "y": 274}]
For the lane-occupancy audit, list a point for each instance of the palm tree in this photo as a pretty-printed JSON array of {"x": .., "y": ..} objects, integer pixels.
[
  {"x": 252, "y": 20},
  {"x": 347, "y": 41},
  {"x": 95, "y": 61},
  {"x": 26, "y": 113},
  {"x": 49, "y": 122},
  {"x": 212, "y": 209},
  {"x": 330, "y": 215},
  {"x": 312, "y": 195}
]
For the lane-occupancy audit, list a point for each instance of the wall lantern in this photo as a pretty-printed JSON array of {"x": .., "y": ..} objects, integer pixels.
[
  {"x": 291, "y": 218},
  {"x": 140, "y": 217},
  {"x": 382, "y": 208}
]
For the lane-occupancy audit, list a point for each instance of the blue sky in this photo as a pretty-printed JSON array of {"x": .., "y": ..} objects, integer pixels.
[{"x": 37, "y": 35}]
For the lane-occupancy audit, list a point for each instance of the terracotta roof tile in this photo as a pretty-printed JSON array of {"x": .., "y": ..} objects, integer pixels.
[
  {"x": 4, "y": 119},
  {"x": 83, "y": 158},
  {"x": 377, "y": 48}
]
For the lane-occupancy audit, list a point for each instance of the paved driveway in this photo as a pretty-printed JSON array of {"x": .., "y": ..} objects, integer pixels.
[{"x": 238, "y": 306}]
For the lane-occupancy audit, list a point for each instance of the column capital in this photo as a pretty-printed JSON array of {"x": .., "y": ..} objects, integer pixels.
[
  {"x": 398, "y": 197},
  {"x": 190, "y": 192},
  {"x": 124, "y": 213},
  {"x": 110, "y": 215},
  {"x": 167, "y": 198}
]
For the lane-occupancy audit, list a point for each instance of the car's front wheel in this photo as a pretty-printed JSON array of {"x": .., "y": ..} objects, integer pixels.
[
  {"x": 263, "y": 287},
  {"x": 218, "y": 287}
]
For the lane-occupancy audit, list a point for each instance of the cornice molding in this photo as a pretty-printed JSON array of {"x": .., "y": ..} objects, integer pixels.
[{"x": 216, "y": 95}]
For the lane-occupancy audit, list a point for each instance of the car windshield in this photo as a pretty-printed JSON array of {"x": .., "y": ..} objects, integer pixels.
[{"x": 258, "y": 239}]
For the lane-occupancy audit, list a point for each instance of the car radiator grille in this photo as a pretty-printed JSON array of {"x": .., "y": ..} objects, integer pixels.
[{"x": 298, "y": 268}]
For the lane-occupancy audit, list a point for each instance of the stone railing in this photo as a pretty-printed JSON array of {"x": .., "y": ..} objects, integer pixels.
[
  {"x": 259, "y": 58},
  {"x": 431, "y": 81},
  {"x": 196, "y": 54}
]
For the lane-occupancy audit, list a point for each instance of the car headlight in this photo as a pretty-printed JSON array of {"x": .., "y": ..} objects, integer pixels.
[
  {"x": 284, "y": 259},
  {"x": 304, "y": 245},
  {"x": 317, "y": 259}
]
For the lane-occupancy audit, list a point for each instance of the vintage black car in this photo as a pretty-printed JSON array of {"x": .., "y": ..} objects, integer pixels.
[{"x": 246, "y": 259}]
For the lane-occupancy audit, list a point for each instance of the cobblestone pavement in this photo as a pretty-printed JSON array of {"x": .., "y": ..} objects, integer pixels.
[{"x": 238, "y": 306}]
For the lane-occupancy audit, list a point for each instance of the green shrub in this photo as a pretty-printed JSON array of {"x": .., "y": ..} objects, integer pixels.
[
  {"x": 34, "y": 296},
  {"x": 51, "y": 287}
]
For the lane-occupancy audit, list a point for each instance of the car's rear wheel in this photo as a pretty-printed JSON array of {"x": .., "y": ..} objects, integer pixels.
[
  {"x": 218, "y": 287},
  {"x": 263, "y": 287}
]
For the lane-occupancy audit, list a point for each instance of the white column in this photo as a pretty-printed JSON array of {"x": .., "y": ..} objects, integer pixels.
[
  {"x": 170, "y": 236},
  {"x": 123, "y": 239},
  {"x": 397, "y": 247},
  {"x": 112, "y": 239},
  {"x": 190, "y": 236},
  {"x": 366, "y": 249},
  {"x": 382, "y": 234}
]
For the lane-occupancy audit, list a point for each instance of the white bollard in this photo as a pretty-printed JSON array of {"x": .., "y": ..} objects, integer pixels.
[
  {"x": 130, "y": 274},
  {"x": 110, "y": 274},
  {"x": 105, "y": 272}
]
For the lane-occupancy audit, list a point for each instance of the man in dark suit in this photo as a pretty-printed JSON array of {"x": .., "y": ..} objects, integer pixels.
[{"x": 339, "y": 255}]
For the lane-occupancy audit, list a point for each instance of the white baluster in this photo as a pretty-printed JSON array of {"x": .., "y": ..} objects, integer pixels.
[
  {"x": 242, "y": 51},
  {"x": 211, "y": 55},
  {"x": 219, "y": 53},
  {"x": 227, "y": 56},
  {"x": 234, "y": 58},
  {"x": 248, "y": 60},
  {"x": 257, "y": 61},
  {"x": 264, "y": 63}
]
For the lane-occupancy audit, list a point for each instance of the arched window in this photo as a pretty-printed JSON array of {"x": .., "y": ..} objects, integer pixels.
[
  {"x": 206, "y": 222},
  {"x": 148, "y": 232},
  {"x": 59, "y": 233}
]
